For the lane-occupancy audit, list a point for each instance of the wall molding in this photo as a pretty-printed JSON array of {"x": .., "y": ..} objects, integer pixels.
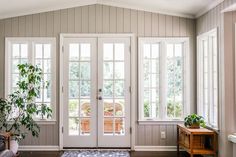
[
  {"x": 39, "y": 148},
  {"x": 156, "y": 148},
  {"x": 208, "y": 8}
]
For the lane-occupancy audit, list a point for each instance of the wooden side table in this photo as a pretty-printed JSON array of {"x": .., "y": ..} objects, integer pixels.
[{"x": 196, "y": 141}]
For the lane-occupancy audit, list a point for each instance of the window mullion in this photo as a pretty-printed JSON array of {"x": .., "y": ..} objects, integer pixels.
[{"x": 163, "y": 82}]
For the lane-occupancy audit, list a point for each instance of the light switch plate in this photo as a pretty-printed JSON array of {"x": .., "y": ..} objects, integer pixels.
[{"x": 163, "y": 135}]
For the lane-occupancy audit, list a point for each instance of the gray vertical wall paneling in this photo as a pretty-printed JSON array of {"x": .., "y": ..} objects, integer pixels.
[
  {"x": 162, "y": 25},
  {"x": 141, "y": 135},
  {"x": 105, "y": 19},
  {"x": 78, "y": 19},
  {"x": 127, "y": 20},
  {"x": 2, "y": 56},
  {"x": 148, "y": 24},
  {"x": 29, "y": 25},
  {"x": 99, "y": 19},
  {"x": 15, "y": 26},
  {"x": 120, "y": 20},
  {"x": 71, "y": 20},
  {"x": 36, "y": 27},
  {"x": 169, "y": 26},
  {"x": 183, "y": 27},
  {"x": 134, "y": 21},
  {"x": 176, "y": 26},
  {"x": 22, "y": 28},
  {"x": 170, "y": 135},
  {"x": 43, "y": 24},
  {"x": 155, "y": 135},
  {"x": 155, "y": 24},
  {"x": 92, "y": 19},
  {"x": 85, "y": 21},
  {"x": 148, "y": 135},
  {"x": 64, "y": 21},
  {"x": 141, "y": 23},
  {"x": 113, "y": 21}
]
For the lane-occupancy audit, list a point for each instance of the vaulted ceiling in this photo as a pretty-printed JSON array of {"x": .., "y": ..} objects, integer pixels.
[{"x": 184, "y": 8}]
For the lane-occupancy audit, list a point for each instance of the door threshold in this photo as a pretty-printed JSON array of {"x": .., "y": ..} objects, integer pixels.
[{"x": 97, "y": 148}]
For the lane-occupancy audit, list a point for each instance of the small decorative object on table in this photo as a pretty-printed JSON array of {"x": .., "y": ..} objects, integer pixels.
[{"x": 194, "y": 121}]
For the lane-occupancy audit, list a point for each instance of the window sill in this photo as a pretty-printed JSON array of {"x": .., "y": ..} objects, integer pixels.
[
  {"x": 42, "y": 122},
  {"x": 46, "y": 122},
  {"x": 217, "y": 130},
  {"x": 154, "y": 122}
]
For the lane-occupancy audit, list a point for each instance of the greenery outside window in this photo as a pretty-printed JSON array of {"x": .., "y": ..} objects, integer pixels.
[{"x": 163, "y": 75}]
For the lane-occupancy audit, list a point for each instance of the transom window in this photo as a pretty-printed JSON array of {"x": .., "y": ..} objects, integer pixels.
[
  {"x": 37, "y": 51},
  {"x": 208, "y": 77},
  {"x": 162, "y": 78}
]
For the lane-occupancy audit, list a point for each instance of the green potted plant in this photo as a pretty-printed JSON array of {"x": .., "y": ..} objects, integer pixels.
[
  {"x": 194, "y": 121},
  {"x": 18, "y": 110}
]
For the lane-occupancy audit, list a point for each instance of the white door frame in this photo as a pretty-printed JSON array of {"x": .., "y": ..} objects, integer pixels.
[{"x": 133, "y": 79}]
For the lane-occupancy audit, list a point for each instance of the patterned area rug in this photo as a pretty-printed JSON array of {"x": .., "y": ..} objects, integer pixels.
[{"x": 96, "y": 153}]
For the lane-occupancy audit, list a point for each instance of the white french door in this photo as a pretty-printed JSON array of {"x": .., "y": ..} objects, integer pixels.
[{"x": 96, "y": 95}]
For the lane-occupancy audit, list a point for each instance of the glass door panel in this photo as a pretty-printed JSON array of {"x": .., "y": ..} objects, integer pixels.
[
  {"x": 80, "y": 111},
  {"x": 113, "y": 84}
]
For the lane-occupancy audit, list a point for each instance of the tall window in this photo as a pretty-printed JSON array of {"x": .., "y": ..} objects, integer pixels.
[
  {"x": 162, "y": 78},
  {"x": 208, "y": 77},
  {"x": 37, "y": 51}
]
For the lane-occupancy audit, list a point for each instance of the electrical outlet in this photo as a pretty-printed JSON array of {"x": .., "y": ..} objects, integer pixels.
[{"x": 163, "y": 135}]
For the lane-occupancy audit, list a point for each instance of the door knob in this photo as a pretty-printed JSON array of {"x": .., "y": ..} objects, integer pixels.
[{"x": 99, "y": 98}]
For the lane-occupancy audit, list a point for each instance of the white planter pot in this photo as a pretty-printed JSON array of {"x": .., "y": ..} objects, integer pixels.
[{"x": 14, "y": 145}]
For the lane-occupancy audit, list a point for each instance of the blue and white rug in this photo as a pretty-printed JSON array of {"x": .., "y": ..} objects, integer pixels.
[{"x": 96, "y": 153}]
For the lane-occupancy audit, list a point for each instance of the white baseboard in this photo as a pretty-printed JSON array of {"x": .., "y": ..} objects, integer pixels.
[
  {"x": 155, "y": 148},
  {"x": 39, "y": 148}
]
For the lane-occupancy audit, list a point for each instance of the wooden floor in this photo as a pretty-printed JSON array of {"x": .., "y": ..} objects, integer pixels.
[{"x": 133, "y": 154}]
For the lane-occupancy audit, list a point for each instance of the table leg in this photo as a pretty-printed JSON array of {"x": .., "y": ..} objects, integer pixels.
[{"x": 178, "y": 142}]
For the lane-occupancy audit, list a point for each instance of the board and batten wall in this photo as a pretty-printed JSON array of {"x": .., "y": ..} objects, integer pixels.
[
  {"x": 102, "y": 19},
  {"x": 225, "y": 23}
]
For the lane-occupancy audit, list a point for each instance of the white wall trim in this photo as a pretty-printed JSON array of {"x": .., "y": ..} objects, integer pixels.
[
  {"x": 39, "y": 148},
  {"x": 208, "y": 8},
  {"x": 155, "y": 148}
]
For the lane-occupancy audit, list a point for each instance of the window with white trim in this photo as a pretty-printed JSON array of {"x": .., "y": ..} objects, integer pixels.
[
  {"x": 208, "y": 77},
  {"x": 163, "y": 75},
  {"x": 36, "y": 51}
]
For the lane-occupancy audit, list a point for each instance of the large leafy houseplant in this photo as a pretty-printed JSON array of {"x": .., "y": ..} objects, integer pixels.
[
  {"x": 19, "y": 109},
  {"x": 194, "y": 121}
]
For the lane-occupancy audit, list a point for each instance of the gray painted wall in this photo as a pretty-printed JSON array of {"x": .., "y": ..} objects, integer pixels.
[
  {"x": 101, "y": 19},
  {"x": 225, "y": 24}
]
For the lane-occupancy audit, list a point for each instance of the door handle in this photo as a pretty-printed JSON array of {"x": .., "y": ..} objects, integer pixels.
[{"x": 99, "y": 98}]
